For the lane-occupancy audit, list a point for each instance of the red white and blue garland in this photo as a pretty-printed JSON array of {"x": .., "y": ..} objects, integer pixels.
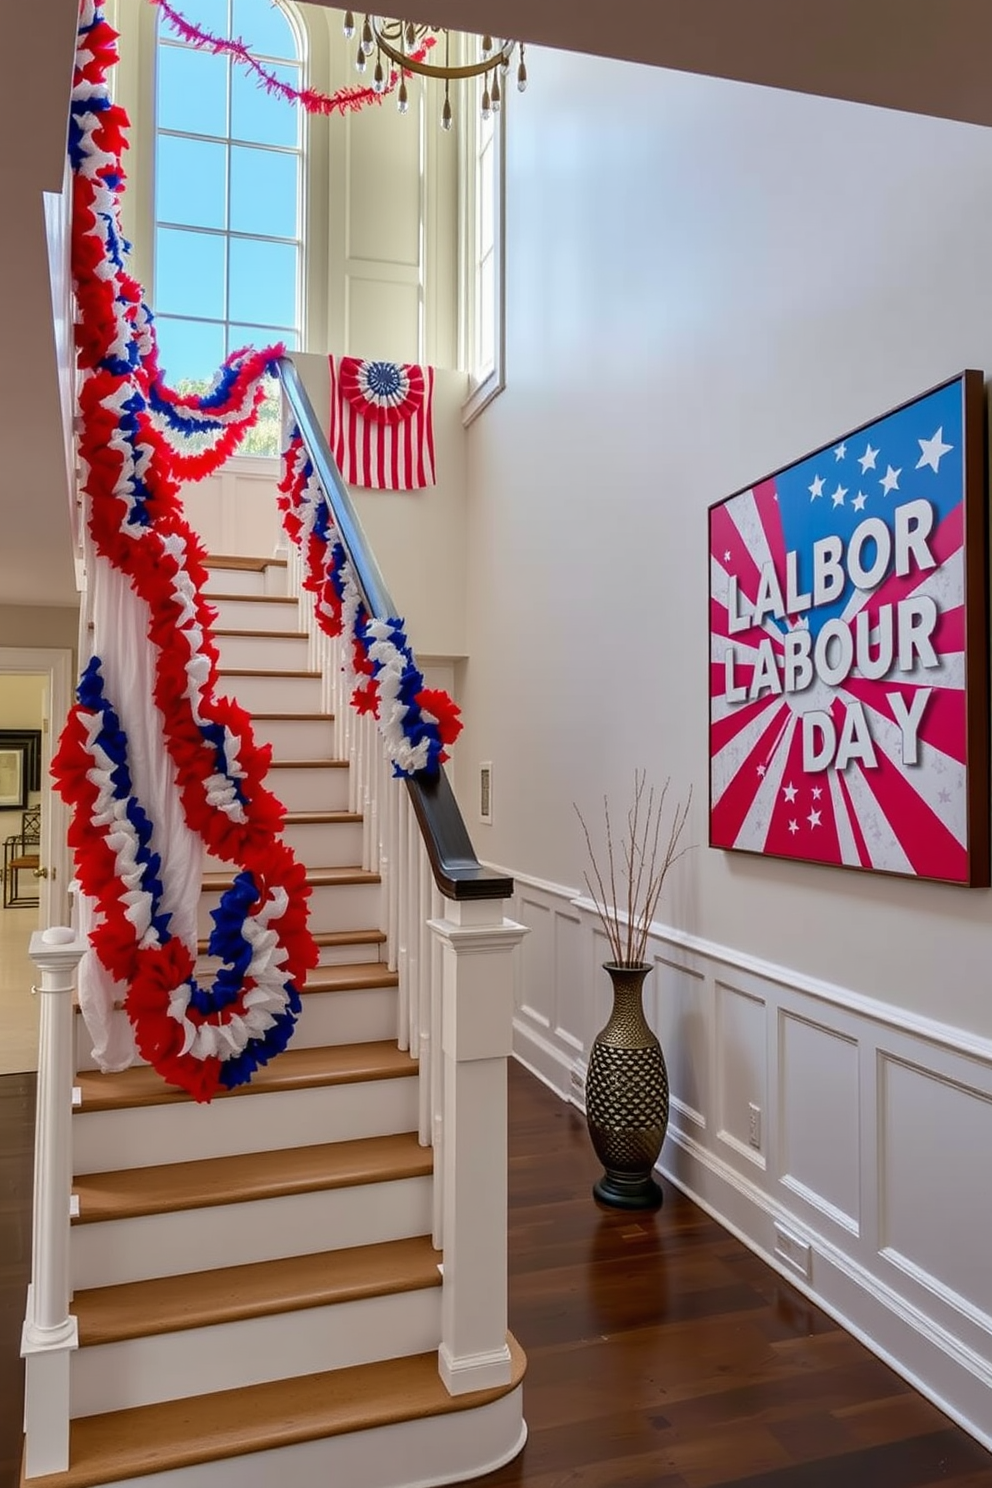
[
  {"x": 417, "y": 723},
  {"x": 130, "y": 448}
]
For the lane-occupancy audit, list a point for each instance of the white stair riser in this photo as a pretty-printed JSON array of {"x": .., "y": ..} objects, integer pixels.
[
  {"x": 344, "y": 955},
  {"x": 364, "y": 1016},
  {"x": 316, "y": 844},
  {"x": 319, "y": 789},
  {"x": 273, "y": 694},
  {"x": 234, "y": 581},
  {"x": 228, "y": 1356},
  {"x": 332, "y": 907},
  {"x": 147, "y": 1136},
  {"x": 296, "y": 738},
  {"x": 182, "y": 1241},
  {"x": 269, "y": 653},
  {"x": 254, "y": 614},
  {"x": 450, "y": 1448}
]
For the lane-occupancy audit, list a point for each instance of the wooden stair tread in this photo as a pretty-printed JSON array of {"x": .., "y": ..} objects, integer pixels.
[
  {"x": 170, "y": 1304},
  {"x": 316, "y": 877},
  {"x": 131, "y": 1192},
  {"x": 207, "y": 1428},
  {"x": 283, "y": 599},
  {"x": 295, "y": 1069},
  {"x": 249, "y": 565},
  {"x": 309, "y": 764},
  {"x": 261, "y": 671},
  {"x": 268, "y": 635},
  {"x": 320, "y": 818},
  {"x": 329, "y": 938},
  {"x": 350, "y": 977}
]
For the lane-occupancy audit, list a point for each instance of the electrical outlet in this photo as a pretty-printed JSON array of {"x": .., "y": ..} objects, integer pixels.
[
  {"x": 486, "y": 792},
  {"x": 754, "y": 1125},
  {"x": 794, "y": 1250},
  {"x": 577, "y": 1087}
]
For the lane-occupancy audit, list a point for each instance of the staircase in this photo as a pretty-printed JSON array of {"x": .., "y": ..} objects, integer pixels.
[{"x": 258, "y": 1295}]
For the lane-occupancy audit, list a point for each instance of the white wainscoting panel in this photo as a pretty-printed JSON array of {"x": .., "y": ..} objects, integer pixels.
[
  {"x": 741, "y": 1070},
  {"x": 820, "y": 1162},
  {"x": 234, "y": 510},
  {"x": 862, "y": 1173}
]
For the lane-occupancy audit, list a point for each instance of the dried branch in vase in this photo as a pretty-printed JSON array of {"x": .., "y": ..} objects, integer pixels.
[{"x": 638, "y": 863}]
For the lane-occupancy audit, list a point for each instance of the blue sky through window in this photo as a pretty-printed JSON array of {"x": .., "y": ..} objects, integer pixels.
[{"x": 227, "y": 187}]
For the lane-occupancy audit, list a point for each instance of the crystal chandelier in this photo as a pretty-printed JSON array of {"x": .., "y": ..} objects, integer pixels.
[{"x": 410, "y": 47}]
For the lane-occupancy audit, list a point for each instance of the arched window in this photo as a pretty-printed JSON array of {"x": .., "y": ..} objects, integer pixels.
[{"x": 228, "y": 170}]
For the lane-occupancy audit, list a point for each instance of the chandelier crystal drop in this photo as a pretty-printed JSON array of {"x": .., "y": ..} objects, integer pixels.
[{"x": 411, "y": 48}]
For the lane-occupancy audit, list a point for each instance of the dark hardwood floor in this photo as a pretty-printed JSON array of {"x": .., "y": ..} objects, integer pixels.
[
  {"x": 16, "y": 1163},
  {"x": 662, "y": 1353}
]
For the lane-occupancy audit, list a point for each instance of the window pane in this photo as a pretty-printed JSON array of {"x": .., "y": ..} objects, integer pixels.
[
  {"x": 487, "y": 184},
  {"x": 211, "y": 15},
  {"x": 259, "y": 336},
  {"x": 264, "y": 118},
  {"x": 263, "y": 192},
  {"x": 189, "y": 273},
  {"x": 192, "y": 90},
  {"x": 263, "y": 282},
  {"x": 264, "y": 27},
  {"x": 190, "y": 185},
  {"x": 189, "y": 350},
  {"x": 486, "y": 350}
]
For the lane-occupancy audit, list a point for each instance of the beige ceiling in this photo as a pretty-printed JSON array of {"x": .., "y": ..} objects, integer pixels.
[{"x": 926, "y": 56}]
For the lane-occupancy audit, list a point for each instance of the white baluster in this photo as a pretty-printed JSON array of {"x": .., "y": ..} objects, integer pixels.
[
  {"x": 414, "y": 921},
  {"x": 50, "y": 1334},
  {"x": 477, "y": 1027},
  {"x": 402, "y": 915},
  {"x": 425, "y": 1047},
  {"x": 392, "y": 899},
  {"x": 437, "y": 1074}
]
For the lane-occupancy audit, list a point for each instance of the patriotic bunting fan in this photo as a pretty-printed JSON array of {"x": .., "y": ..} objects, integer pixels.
[{"x": 382, "y": 430}]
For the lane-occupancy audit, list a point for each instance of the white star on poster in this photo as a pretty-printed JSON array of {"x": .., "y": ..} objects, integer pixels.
[
  {"x": 840, "y": 452},
  {"x": 816, "y": 489},
  {"x": 859, "y": 501},
  {"x": 932, "y": 451},
  {"x": 838, "y": 497},
  {"x": 726, "y": 556},
  {"x": 890, "y": 481},
  {"x": 814, "y": 818},
  {"x": 817, "y": 793},
  {"x": 867, "y": 460},
  {"x": 789, "y": 792},
  {"x": 793, "y": 827},
  {"x": 761, "y": 769}
]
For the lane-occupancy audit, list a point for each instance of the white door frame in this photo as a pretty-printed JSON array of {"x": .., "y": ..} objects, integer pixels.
[{"x": 56, "y": 665}]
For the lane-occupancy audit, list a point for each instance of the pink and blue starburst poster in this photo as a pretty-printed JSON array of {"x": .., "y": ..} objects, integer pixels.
[{"x": 849, "y": 649}]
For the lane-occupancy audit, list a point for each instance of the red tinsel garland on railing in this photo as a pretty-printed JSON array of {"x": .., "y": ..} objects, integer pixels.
[{"x": 345, "y": 100}]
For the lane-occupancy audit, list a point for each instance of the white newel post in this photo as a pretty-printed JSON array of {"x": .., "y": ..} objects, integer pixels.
[
  {"x": 476, "y": 1041},
  {"x": 49, "y": 1334}
]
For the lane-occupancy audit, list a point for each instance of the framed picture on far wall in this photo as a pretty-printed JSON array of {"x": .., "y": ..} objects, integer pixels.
[
  {"x": 30, "y": 741},
  {"x": 13, "y": 780},
  {"x": 849, "y": 620}
]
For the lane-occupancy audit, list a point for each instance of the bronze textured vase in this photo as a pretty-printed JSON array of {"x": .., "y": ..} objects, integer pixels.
[{"x": 627, "y": 1097}]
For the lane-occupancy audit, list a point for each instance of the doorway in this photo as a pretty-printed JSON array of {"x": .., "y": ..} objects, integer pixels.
[{"x": 35, "y": 685}]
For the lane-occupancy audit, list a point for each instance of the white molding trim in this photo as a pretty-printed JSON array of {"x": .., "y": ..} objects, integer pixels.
[
  {"x": 817, "y": 1123},
  {"x": 959, "y": 1039}
]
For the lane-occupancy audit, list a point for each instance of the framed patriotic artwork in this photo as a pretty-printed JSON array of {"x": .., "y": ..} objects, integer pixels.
[{"x": 849, "y": 699}]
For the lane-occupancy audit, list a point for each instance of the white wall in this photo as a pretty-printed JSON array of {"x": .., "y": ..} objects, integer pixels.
[{"x": 704, "y": 281}]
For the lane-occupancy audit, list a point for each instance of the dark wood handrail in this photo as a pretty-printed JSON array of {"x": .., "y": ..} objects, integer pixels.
[{"x": 457, "y": 871}]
